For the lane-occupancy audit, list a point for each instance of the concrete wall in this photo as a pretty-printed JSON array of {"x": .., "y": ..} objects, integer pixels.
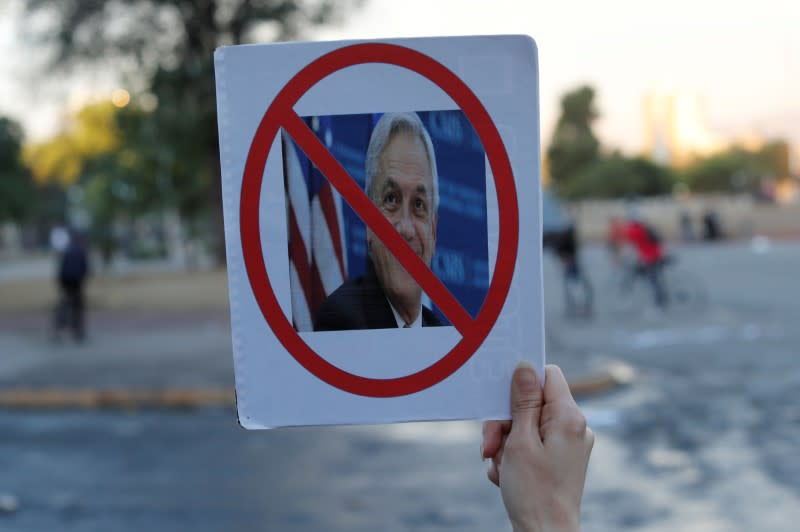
[{"x": 740, "y": 216}]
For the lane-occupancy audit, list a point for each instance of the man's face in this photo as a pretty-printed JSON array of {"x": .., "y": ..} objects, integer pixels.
[{"x": 403, "y": 191}]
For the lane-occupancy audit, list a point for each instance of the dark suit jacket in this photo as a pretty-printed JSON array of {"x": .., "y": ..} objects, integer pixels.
[{"x": 361, "y": 304}]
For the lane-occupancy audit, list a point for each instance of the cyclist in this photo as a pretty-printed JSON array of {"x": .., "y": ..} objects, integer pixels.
[
  {"x": 617, "y": 228},
  {"x": 650, "y": 256}
]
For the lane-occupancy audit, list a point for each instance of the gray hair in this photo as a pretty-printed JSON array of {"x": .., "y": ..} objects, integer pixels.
[{"x": 389, "y": 125}]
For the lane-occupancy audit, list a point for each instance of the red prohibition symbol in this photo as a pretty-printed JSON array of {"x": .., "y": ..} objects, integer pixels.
[{"x": 281, "y": 114}]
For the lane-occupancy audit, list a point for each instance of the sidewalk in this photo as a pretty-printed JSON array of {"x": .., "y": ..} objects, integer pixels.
[
  {"x": 161, "y": 340},
  {"x": 123, "y": 351},
  {"x": 147, "y": 360}
]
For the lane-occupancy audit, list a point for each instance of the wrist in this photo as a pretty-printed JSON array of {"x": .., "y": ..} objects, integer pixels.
[
  {"x": 565, "y": 525},
  {"x": 534, "y": 528}
]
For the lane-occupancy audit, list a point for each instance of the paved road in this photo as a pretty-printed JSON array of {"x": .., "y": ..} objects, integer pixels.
[{"x": 706, "y": 439}]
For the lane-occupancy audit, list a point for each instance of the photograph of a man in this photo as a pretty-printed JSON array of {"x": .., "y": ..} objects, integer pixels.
[{"x": 402, "y": 182}]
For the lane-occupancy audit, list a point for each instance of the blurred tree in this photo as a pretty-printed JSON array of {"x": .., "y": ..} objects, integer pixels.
[
  {"x": 54, "y": 161},
  {"x": 775, "y": 157},
  {"x": 617, "y": 176},
  {"x": 738, "y": 169},
  {"x": 171, "y": 44},
  {"x": 17, "y": 192},
  {"x": 90, "y": 133},
  {"x": 721, "y": 172},
  {"x": 574, "y": 146},
  {"x": 114, "y": 156}
]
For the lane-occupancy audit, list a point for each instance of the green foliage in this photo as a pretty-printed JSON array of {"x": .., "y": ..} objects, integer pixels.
[
  {"x": 168, "y": 48},
  {"x": 56, "y": 160},
  {"x": 737, "y": 169},
  {"x": 116, "y": 156},
  {"x": 134, "y": 176},
  {"x": 579, "y": 170},
  {"x": 574, "y": 146},
  {"x": 17, "y": 192},
  {"x": 90, "y": 133},
  {"x": 185, "y": 123},
  {"x": 716, "y": 173},
  {"x": 167, "y": 33},
  {"x": 619, "y": 176},
  {"x": 773, "y": 159}
]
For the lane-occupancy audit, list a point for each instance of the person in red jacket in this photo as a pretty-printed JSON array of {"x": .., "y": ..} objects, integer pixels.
[
  {"x": 647, "y": 243},
  {"x": 649, "y": 254}
]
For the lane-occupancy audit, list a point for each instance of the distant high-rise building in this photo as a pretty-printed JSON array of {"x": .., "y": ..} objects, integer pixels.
[
  {"x": 676, "y": 130},
  {"x": 658, "y": 127}
]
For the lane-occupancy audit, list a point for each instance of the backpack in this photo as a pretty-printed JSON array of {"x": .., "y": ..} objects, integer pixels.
[{"x": 652, "y": 235}]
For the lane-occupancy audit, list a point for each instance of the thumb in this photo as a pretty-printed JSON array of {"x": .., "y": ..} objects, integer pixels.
[{"x": 526, "y": 399}]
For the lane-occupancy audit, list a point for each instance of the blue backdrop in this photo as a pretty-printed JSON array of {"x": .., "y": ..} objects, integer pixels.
[{"x": 461, "y": 258}]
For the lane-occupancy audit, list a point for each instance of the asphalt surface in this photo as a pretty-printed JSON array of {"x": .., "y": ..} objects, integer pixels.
[{"x": 705, "y": 439}]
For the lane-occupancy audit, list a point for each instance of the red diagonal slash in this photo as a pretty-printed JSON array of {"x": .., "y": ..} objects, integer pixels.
[{"x": 363, "y": 206}]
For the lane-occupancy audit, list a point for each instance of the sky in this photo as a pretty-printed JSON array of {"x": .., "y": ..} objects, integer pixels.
[{"x": 741, "y": 58}]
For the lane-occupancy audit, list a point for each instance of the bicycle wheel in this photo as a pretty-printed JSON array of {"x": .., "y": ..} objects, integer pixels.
[
  {"x": 625, "y": 293},
  {"x": 685, "y": 291}
]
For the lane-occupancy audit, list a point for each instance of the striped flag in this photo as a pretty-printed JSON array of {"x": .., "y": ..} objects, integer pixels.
[{"x": 317, "y": 256}]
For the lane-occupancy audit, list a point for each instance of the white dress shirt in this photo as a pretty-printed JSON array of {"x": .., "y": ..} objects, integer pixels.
[{"x": 401, "y": 323}]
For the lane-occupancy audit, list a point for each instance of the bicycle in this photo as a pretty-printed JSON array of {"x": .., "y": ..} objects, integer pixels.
[{"x": 632, "y": 288}]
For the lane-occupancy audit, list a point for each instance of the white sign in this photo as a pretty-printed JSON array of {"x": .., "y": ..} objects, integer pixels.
[{"x": 383, "y": 227}]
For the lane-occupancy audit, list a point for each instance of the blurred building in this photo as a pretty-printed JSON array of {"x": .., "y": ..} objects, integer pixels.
[{"x": 676, "y": 129}]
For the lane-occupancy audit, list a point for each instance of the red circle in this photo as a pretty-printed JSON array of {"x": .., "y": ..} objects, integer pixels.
[{"x": 251, "y": 233}]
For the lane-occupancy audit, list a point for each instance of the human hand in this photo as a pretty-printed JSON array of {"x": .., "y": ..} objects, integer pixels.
[{"x": 539, "y": 458}]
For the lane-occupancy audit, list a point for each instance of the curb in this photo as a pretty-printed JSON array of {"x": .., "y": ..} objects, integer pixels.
[
  {"x": 28, "y": 398},
  {"x": 615, "y": 375}
]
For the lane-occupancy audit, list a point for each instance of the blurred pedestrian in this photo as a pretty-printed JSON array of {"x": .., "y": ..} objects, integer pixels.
[
  {"x": 711, "y": 226},
  {"x": 73, "y": 271},
  {"x": 540, "y": 457},
  {"x": 578, "y": 296}
]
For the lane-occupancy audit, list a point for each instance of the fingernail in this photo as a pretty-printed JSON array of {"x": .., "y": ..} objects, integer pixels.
[{"x": 526, "y": 376}]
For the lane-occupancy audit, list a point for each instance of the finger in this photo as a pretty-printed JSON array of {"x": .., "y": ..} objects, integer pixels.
[
  {"x": 494, "y": 474},
  {"x": 493, "y": 432},
  {"x": 588, "y": 446},
  {"x": 556, "y": 388},
  {"x": 502, "y": 426},
  {"x": 497, "y": 459},
  {"x": 526, "y": 400},
  {"x": 589, "y": 442}
]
